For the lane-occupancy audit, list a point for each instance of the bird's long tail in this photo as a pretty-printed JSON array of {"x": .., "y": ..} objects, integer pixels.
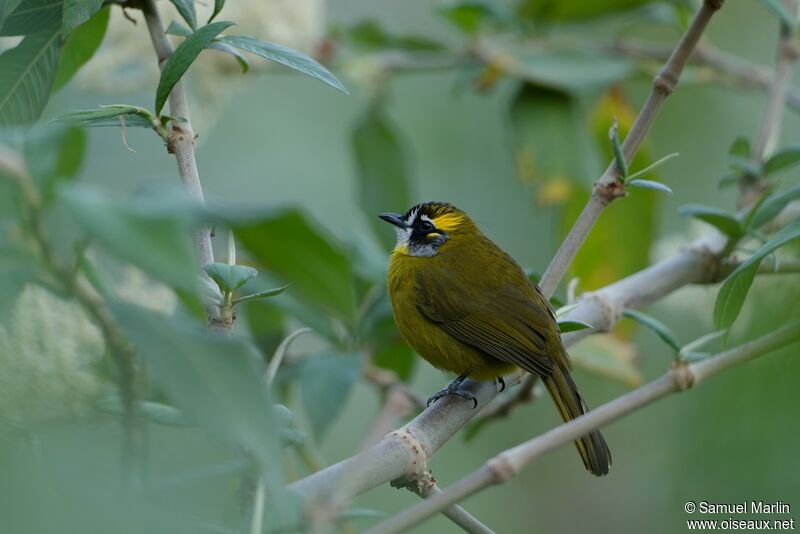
[{"x": 593, "y": 448}]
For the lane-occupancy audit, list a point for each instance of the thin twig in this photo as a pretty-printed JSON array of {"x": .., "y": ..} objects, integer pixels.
[
  {"x": 426, "y": 486},
  {"x": 181, "y": 143},
  {"x": 609, "y": 187},
  {"x": 508, "y": 463}
]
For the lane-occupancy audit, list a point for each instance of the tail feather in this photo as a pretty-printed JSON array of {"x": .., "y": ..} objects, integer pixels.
[{"x": 592, "y": 447}]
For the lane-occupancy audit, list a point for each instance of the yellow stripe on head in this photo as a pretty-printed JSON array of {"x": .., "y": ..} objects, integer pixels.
[{"x": 448, "y": 222}]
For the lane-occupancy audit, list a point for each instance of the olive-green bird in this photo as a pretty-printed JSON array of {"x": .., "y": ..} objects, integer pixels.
[{"x": 467, "y": 307}]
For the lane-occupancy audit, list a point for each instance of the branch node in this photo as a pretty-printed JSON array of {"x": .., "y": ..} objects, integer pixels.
[
  {"x": 714, "y": 4},
  {"x": 682, "y": 376},
  {"x": 609, "y": 310},
  {"x": 422, "y": 484},
  {"x": 502, "y": 467},
  {"x": 608, "y": 191},
  {"x": 665, "y": 82},
  {"x": 419, "y": 458},
  {"x": 710, "y": 263}
]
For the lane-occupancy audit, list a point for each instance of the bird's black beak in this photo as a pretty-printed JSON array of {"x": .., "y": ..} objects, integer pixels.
[{"x": 393, "y": 218}]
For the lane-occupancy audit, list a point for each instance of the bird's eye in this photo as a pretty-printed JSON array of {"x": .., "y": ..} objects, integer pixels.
[{"x": 427, "y": 226}]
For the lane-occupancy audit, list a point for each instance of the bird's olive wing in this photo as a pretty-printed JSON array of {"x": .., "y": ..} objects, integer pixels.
[{"x": 504, "y": 321}]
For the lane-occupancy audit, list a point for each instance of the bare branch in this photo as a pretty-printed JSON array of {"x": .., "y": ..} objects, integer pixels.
[
  {"x": 609, "y": 187},
  {"x": 508, "y": 463}
]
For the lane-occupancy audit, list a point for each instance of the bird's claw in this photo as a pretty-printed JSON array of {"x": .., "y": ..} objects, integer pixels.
[
  {"x": 454, "y": 390},
  {"x": 502, "y": 384}
]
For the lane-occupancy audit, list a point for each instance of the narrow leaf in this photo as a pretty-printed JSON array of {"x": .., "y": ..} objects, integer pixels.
[
  {"x": 660, "y": 329},
  {"x": 26, "y": 77},
  {"x": 261, "y": 294},
  {"x": 218, "y": 5},
  {"x": 177, "y": 29},
  {"x": 782, "y": 160},
  {"x": 228, "y": 49},
  {"x": 619, "y": 157},
  {"x": 734, "y": 290},
  {"x": 652, "y": 166},
  {"x": 111, "y": 115},
  {"x": 179, "y": 62},
  {"x": 649, "y": 184},
  {"x": 773, "y": 205},
  {"x": 187, "y": 11},
  {"x": 572, "y": 326},
  {"x": 725, "y": 222},
  {"x": 285, "y": 56}
]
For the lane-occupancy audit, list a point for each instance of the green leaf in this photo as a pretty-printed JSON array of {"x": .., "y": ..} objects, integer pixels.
[
  {"x": 261, "y": 294},
  {"x": 575, "y": 71},
  {"x": 81, "y": 46},
  {"x": 6, "y": 8},
  {"x": 154, "y": 412},
  {"x": 725, "y": 222},
  {"x": 111, "y": 115},
  {"x": 326, "y": 381},
  {"x": 179, "y": 62},
  {"x": 572, "y": 326},
  {"x": 550, "y": 138},
  {"x": 218, "y": 5},
  {"x": 540, "y": 11},
  {"x": 740, "y": 148},
  {"x": 779, "y": 10},
  {"x": 285, "y": 56},
  {"x": 734, "y": 290},
  {"x": 383, "y": 171},
  {"x": 470, "y": 16},
  {"x": 369, "y": 35},
  {"x": 660, "y": 329},
  {"x": 228, "y": 49},
  {"x": 76, "y": 12},
  {"x": 230, "y": 277},
  {"x": 773, "y": 205},
  {"x": 26, "y": 77},
  {"x": 54, "y": 153},
  {"x": 178, "y": 29},
  {"x": 649, "y": 184},
  {"x": 215, "y": 379},
  {"x": 187, "y": 11},
  {"x": 33, "y": 16},
  {"x": 782, "y": 160},
  {"x": 151, "y": 237},
  {"x": 287, "y": 244},
  {"x": 619, "y": 157},
  {"x": 652, "y": 167}
]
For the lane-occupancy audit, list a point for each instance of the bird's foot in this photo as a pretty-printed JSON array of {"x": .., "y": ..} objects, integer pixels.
[
  {"x": 502, "y": 384},
  {"x": 454, "y": 388}
]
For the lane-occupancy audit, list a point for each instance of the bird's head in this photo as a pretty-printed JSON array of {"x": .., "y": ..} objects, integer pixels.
[{"x": 426, "y": 227}]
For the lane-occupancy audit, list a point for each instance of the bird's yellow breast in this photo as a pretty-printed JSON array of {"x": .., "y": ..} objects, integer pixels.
[{"x": 430, "y": 341}]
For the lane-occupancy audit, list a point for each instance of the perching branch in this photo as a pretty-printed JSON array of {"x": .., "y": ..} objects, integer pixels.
[
  {"x": 181, "y": 143},
  {"x": 609, "y": 187},
  {"x": 508, "y": 463}
]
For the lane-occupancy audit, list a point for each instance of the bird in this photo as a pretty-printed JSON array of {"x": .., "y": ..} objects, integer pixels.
[{"x": 467, "y": 307}]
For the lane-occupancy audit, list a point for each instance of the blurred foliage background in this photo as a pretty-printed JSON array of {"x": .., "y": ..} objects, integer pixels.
[{"x": 517, "y": 147}]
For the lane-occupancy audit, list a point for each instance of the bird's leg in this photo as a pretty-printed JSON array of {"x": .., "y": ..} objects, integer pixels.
[
  {"x": 454, "y": 388},
  {"x": 502, "y": 384}
]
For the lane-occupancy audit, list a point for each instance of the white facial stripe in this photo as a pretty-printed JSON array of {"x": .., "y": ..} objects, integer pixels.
[
  {"x": 426, "y": 218},
  {"x": 411, "y": 217}
]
